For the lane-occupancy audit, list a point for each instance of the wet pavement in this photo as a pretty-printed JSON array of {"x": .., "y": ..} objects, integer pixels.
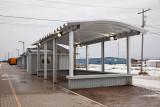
[
  {"x": 33, "y": 91},
  {"x": 19, "y": 89},
  {"x": 123, "y": 96},
  {"x": 145, "y": 92}
]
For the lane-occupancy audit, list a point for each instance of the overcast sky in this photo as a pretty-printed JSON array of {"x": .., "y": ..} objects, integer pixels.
[{"x": 12, "y": 30}]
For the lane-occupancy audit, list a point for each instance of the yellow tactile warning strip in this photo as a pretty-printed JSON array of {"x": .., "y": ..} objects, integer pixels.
[
  {"x": 45, "y": 97},
  {"x": 14, "y": 93}
]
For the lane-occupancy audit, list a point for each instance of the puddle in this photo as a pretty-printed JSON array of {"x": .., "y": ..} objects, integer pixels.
[
  {"x": 4, "y": 79},
  {"x": 23, "y": 82},
  {"x": 5, "y": 75}
]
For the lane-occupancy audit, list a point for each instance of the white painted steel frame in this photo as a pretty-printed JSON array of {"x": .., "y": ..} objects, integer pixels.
[
  {"x": 45, "y": 60},
  {"x": 71, "y": 48},
  {"x": 54, "y": 60},
  {"x": 102, "y": 56},
  {"x": 128, "y": 55},
  {"x": 91, "y": 32},
  {"x": 75, "y": 64},
  {"x": 27, "y": 63},
  {"x": 87, "y": 57},
  {"x": 38, "y": 58}
]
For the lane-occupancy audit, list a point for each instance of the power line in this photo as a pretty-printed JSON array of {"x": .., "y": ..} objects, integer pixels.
[
  {"x": 158, "y": 33},
  {"x": 5, "y": 20},
  {"x": 157, "y": 13},
  {"x": 84, "y": 4},
  {"x": 63, "y": 8},
  {"x": 24, "y": 25},
  {"x": 2, "y": 21},
  {"x": 17, "y": 17},
  {"x": 34, "y": 5},
  {"x": 153, "y": 27}
]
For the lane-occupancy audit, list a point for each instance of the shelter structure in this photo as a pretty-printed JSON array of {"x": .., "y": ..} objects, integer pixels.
[
  {"x": 21, "y": 61},
  {"x": 85, "y": 33},
  {"x": 32, "y": 61},
  {"x": 153, "y": 63}
]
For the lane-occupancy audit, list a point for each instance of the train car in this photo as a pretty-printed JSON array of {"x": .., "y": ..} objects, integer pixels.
[{"x": 12, "y": 61}]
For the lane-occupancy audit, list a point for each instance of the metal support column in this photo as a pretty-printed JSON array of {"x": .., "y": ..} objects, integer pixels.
[
  {"x": 38, "y": 58},
  {"x": 128, "y": 55},
  {"x": 87, "y": 59},
  {"x": 102, "y": 56},
  {"x": 54, "y": 60},
  {"x": 142, "y": 53},
  {"x": 45, "y": 60},
  {"x": 74, "y": 57},
  {"x": 71, "y": 41}
]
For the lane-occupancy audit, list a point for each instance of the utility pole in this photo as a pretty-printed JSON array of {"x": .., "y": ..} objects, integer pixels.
[
  {"x": 143, "y": 24},
  {"x": 18, "y": 52},
  {"x": 5, "y": 57},
  {"x": 8, "y": 55},
  {"x": 23, "y": 46}
]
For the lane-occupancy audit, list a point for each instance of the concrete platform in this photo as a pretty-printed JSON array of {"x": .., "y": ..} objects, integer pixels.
[
  {"x": 100, "y": 80},
  {"x": 19, "y": 89},
  {"x": 91, "y": 79}
]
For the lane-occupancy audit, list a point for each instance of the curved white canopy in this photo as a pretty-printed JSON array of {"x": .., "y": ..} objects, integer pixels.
[
  {"x": 95, "y": 31},
  {"x": 89, "y": 32}
]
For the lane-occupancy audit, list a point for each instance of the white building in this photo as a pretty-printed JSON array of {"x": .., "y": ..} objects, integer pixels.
[{"x": 153, "y": 63}]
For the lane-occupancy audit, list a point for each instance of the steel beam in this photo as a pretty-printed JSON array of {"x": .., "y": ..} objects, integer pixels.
[
  {"x": 54, "y": 60},
  {"x": 128, "y": 55},
  {"x": 121, "y": 35},
  {"x": 71, "y": 43},
  {"x": 75, "y": 58},
  {"x": 38, "y": 58},
  {"x": 45, "y": 60},
  {"x": 102, "y": 56},
  {"x": 87, "y": 59}
]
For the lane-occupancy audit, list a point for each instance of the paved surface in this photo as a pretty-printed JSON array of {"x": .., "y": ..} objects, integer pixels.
[
  {"x": 144, "y": 93},
  {"x": 123, "y": 96},
  {"x": 19, "y": 89}
]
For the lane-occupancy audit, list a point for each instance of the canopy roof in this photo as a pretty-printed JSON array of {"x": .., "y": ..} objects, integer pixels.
[
  {"x": 60, "y": 50},
  {"x": 89, "y": 32}
]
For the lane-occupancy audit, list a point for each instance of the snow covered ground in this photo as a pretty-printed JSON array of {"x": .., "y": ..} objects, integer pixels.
[
  {"x": 151, "y": 81},
  {"x": 122, "y": 68}
]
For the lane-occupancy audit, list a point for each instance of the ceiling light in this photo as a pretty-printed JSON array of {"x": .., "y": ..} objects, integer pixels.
[
  {"x": 111, "y": 38},
  {"x": 59, "y": 35},
  {"x": 79, "y": 45}
]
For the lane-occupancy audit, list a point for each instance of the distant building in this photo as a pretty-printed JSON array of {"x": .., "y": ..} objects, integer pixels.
[
  {"x": 153, "y": 63},
  {"x": 31, "y": 56},
  {"x": 108, "y": 60},
  {"x": 21, "y": 61}
]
